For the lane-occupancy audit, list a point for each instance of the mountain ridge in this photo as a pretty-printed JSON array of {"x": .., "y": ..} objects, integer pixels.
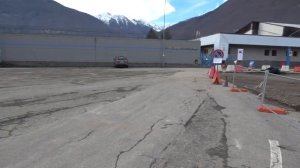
[
  {"x": 234, "y": 14},
  {"x": 122, "y": 24},
  {"x": 50, "y": 17},
  {"x": 32, "y": 15}
]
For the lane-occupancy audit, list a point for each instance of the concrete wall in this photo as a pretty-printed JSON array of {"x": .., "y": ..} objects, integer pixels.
[{"x": 49, "y": 50}]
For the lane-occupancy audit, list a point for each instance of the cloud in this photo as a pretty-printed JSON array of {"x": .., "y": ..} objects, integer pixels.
[
  {"x": 195, "y": 6},
  {"x": 200, "y": 4},
  {"x": 147, "y": 10}
]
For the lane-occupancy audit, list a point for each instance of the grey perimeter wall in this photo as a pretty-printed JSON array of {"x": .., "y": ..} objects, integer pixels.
[{"x": 49, "y": 50}]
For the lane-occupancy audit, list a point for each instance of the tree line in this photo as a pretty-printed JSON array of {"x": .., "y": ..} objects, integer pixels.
[{"x": 152, "y": 34}]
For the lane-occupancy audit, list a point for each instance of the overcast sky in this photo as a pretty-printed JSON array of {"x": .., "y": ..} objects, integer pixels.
[{"x": 151, "y": 11}]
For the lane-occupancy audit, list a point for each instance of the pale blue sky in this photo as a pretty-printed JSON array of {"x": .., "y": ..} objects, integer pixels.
[
  {"x": 185, "y": 9},
  {"x": 151, "y": 11}
]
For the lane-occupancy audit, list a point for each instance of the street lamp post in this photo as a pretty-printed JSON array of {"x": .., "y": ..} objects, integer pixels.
[
  {"x": 198, "y": 35},
  {"x": 163, "y": 38}
]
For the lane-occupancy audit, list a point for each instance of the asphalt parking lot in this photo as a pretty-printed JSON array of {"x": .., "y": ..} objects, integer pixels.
[
  {"x": 133, "y": 118},
  {"x": 50, "y": 112},
  {"x": 38, "y": 91}
]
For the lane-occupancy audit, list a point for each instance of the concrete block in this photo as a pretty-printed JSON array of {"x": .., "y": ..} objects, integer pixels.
[
  {"x": 285, "y": 68},
  {"x": 219, "y": 67},
  {"x": 264, "y": 67},
  {"x": 230, "y": 68}
]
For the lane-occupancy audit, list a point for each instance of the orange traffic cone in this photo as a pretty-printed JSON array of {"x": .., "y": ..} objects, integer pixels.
[
  {"x": 211, "y": 72},
  {"x": 216, "y": 79},
  {"x": 276, "y": 110}
]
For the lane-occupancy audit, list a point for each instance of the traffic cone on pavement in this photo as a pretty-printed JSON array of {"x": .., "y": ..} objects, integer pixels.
[
  {"x": 211, "y": 72},
  {"x": 216, "y": 79}
]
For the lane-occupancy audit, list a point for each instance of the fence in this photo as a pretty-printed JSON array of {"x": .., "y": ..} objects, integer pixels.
[
  {"x": 281, "y": 88},
  {"x": 284, "y": 89}
]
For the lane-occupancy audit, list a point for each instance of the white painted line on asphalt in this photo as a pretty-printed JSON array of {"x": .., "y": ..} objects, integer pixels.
[{"x": 276, "y": 157}]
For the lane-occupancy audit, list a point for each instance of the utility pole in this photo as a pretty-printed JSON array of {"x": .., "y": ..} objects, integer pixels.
[
  {"x": 163, "y": 38},
  {"x": 198, "y": 35}
]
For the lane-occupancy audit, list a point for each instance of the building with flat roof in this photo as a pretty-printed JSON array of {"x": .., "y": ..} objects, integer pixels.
[{"x": 274, "y": 44}]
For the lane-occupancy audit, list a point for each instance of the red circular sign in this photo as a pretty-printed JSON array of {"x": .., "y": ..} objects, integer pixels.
[{"x": 217, "y": 53}]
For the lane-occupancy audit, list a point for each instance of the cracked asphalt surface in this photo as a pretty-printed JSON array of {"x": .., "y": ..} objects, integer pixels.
[
  {"x": 195, "y": 146},
  {"x": 134, "y": 118}
]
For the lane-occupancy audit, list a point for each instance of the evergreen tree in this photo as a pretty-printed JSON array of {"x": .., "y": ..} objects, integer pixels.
[
  {"x": 152, "y": 34},
  {"x": 167, "y": 34}
]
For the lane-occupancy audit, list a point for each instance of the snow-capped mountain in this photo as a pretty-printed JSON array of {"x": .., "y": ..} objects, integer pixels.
[
  {"x": 121, "y": 24},
  {"x": 108, "y": 18},
  {"x": 50, "y": 17}
]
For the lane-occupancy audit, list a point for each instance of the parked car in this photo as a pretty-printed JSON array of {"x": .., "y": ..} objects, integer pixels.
[
  {"x": 120, "y": 61},
  {"x": 274, "y": 70}
]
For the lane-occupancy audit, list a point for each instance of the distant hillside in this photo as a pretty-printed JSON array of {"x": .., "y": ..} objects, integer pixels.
[
  {"x": 235, "y": 14},
  {"x": 48, "y": 16}
]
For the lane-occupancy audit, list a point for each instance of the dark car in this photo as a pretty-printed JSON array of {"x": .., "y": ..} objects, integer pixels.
[
  {"x": 274, "y": 70},
  {"x": 121, "y": 61}
]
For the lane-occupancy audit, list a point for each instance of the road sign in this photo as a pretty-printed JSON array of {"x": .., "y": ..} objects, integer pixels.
[
  {"x": 218, "y": 53},
  {"x": 240, "y": 55},
  {"x": 218, "y": 56}
]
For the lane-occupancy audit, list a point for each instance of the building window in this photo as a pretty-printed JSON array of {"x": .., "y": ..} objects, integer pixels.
[
  {"x": 205, "y": 50},
  {"x": 295, "y": 53},
  {"x": 274, "y": 52},
  {"x": 267, "y": 52}
]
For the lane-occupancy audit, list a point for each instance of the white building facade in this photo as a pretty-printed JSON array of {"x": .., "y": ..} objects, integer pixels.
[{"x": 271, "y": 50}]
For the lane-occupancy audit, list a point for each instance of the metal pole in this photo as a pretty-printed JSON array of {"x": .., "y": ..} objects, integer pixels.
[
  {"x": 163, "y": 38},
  {"x": 95, "y": 50},
  {"x": 233, "y": 78},
  {"x": 164, "y": 19},
  {"x": 200, "y": 56},
  {"x": 288, "y": 56},
  {"x": 198, "y": 35},
  {"x": 264, "y": 87},
  {"x": 0, "y": 57}
]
